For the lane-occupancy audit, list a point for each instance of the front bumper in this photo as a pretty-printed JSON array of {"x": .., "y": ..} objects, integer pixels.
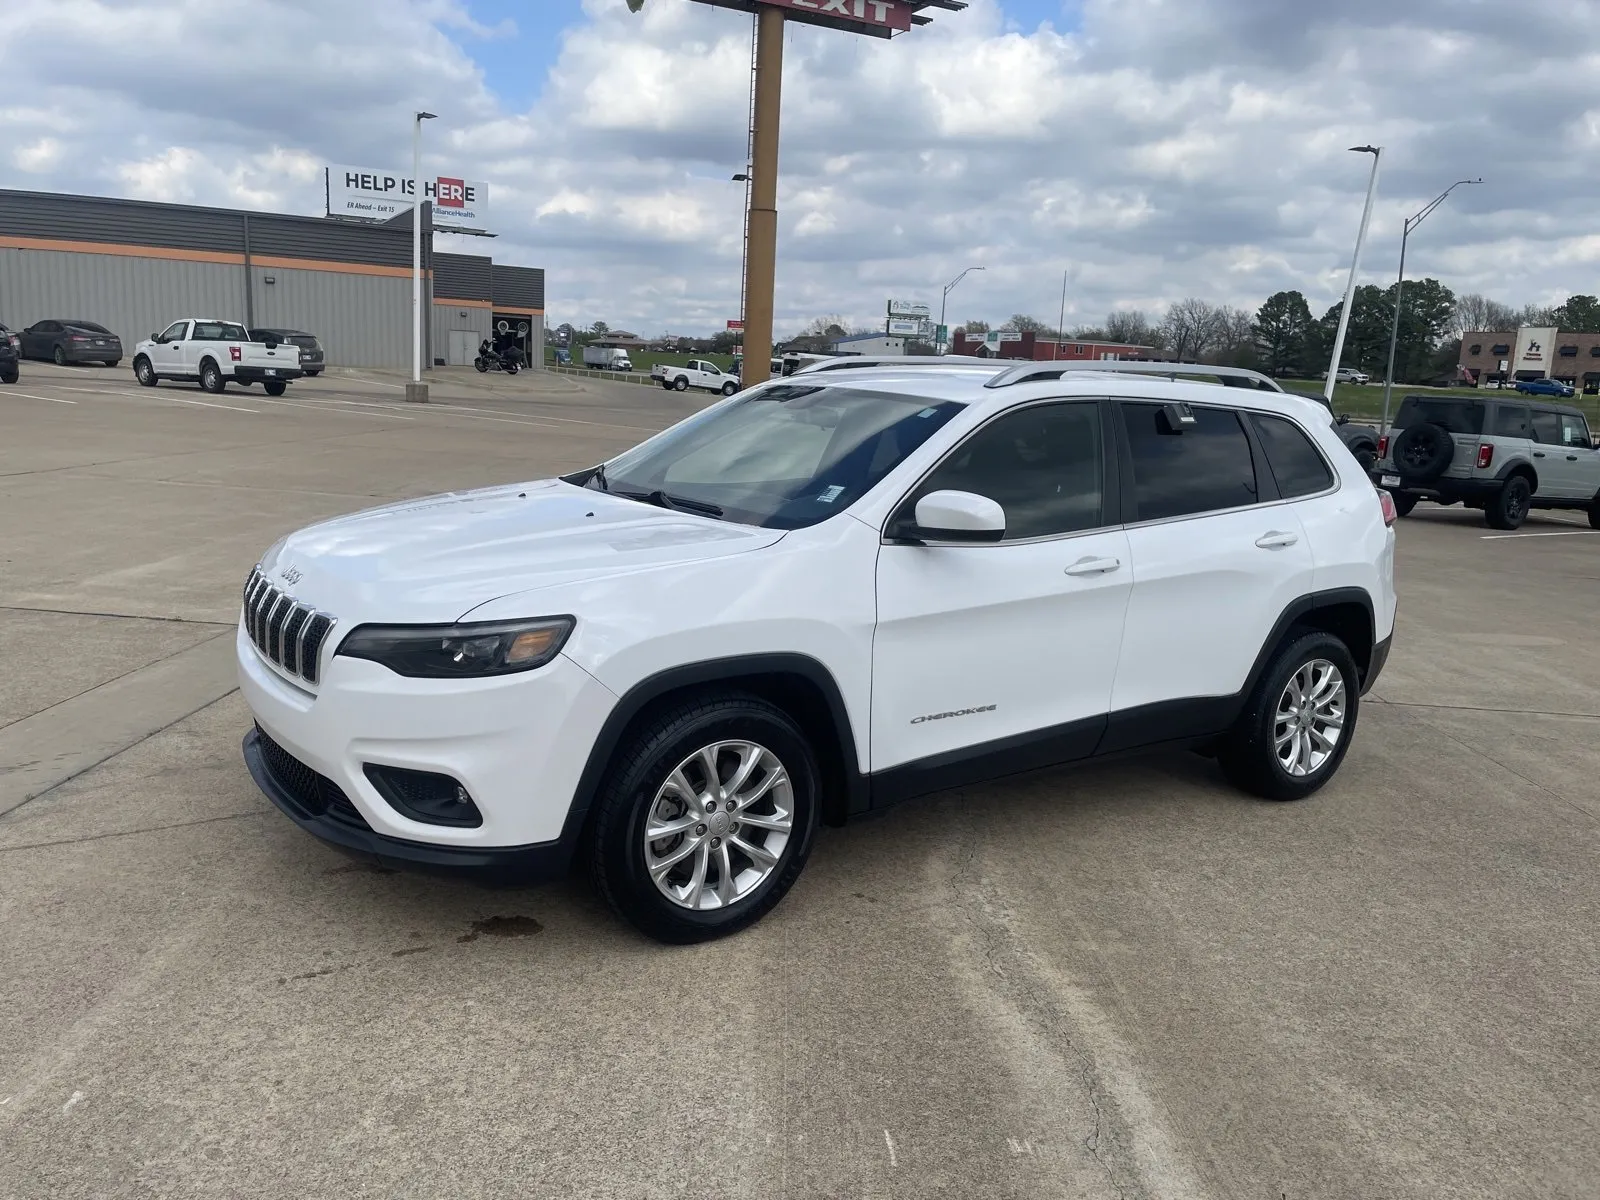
[
  {"x": 247, "y": 373},
  {"x": 517, "y": 743}
]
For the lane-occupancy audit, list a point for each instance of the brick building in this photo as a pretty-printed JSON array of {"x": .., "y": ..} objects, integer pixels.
[
  {"x": 1032, "y": 347},
  {"x": 1532, "y": 352}
]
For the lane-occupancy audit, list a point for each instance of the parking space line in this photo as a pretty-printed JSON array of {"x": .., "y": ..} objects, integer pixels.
[
  {"x": 343, "y": 412},
  {"x": 208, "y": 404},
  {"x": 1497, "y": 537},
  {"x": 31, "y": 396}
]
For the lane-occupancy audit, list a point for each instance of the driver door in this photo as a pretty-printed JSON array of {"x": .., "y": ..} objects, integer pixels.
[
  {"x": 1565, "y": 457},
  {"x": 994, "y": 658},
  {"x": 166, "y": 356}
]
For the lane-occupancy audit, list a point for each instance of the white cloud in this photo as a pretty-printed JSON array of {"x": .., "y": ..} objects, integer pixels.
[{"x": 1151, "y": 151}]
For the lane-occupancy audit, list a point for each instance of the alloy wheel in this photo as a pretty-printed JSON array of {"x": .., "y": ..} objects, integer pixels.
[
  {"x": 718, "y": 825},
  {"x": 1310, "y": 718}
]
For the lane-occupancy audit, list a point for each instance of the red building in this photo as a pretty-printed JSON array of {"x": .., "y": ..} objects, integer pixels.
[{"x": 1030, "y": 346}]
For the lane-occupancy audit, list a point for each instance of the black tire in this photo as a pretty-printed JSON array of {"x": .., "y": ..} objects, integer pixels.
[
  {"x": 651, "y": 753},
  {"x": 11, "y": 376},
  {"x": 274, "y": 387},
  {"x": 1508, "y": 509},
  {"x": 481, "y": 364},
  {"x": 729, "y": 388},
  {"x": 1404, "y": 502},
  {"x": 313, "y": 374},
  {"x": 681, "y": 384},
  {"x": 60, "y": 357},
  {"x": 666, "y": 385},
  {"x": 144, "y": 372},
  {"x": 512, "y": 368},
  {"x": 1594, "y": 507},
  {"x": 111, "y": 362},
  {"x": 1366, "y": 455},
  {"x": 1422, "y": 452},
  {"x": 1248, "y": 754},
  {"x": 211, "y": 378}
]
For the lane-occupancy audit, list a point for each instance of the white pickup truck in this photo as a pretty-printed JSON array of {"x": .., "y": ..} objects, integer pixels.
[
  {"x": 696, "y": 374},
  {"x": 214, "y": 352}
]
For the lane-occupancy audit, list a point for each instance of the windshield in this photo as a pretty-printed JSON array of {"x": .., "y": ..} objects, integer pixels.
[
  {"x": 784, "y": 457},
  {"x": 1458, "y": 416}
]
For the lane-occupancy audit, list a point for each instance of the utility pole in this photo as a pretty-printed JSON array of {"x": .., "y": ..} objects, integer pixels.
[
  {"x": 1399, "y": 291},
  {"x": 416, "y": 390},
  {"x": 1355, "y": 267},
  {"x": 761, "y": 257}
]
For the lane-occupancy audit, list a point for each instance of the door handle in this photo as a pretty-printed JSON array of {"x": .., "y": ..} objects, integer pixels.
[
  {"x": 1538, "y": 453},
  {"x": 1572, "y": 458},
  {"x": 1094, "y": 566},
  {"x": 1277, "y": 539}
]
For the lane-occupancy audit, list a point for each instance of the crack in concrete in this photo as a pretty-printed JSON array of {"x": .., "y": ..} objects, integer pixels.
[{"x": 99, "y": 837}]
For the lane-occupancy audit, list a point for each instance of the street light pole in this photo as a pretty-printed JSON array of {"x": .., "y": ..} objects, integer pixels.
[
  {"x": 944, "y": 345},
  {"x": 1062, "y": 320},
  {"x": 1400, "y": 287},
  {"x": 415, "y": 391},
  {"x": 1355, "y": 267}
]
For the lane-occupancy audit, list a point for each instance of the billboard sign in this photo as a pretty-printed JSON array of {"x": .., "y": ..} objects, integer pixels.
[
  {"x": 736, "y": 326},
  {"x": 877, "y": 18},
  {"x": 909, "y": 309},
  {"x": 905, "y": 328},
  {"x": 359, "y": 194}
]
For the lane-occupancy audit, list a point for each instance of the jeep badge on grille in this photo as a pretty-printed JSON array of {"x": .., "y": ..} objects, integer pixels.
[{"x": 291, "y": 574}]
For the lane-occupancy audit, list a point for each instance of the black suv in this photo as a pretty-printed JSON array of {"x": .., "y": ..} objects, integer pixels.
[
  {"x": 10, "y": 371},
  {"x": 312, "y": 360}
]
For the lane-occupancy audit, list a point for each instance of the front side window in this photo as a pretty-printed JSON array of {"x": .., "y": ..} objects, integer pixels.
[
  {"x": 1199, "y": 468},
  {"x": 1042, "y": 464},
  {"x": 219, "y": 331},
  {"x": 1575, "y": 431},
  {"x": 1547, "y": 428},
  {"x": 1295, "y": 463},
  {"x": 782, "y": 457},
  {"x": 1511, "y": 421},
  {"x": 174, "y": 332}
]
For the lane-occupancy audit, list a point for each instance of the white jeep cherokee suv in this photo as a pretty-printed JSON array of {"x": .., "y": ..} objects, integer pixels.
[{"x": 818, "y": 597}]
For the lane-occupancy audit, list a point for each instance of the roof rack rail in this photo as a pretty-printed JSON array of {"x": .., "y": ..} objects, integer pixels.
[
  {"x": 1030, "y": 372},
  {"x": 855, "y": 362}
]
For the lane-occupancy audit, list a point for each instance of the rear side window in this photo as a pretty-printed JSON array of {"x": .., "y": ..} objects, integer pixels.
[
  {"x": 1206, "y": 467},
  {"x": 1458, "y": 416},
  {"x": 1297, "y": 466},
  {"x": 1511, "y": 421}
]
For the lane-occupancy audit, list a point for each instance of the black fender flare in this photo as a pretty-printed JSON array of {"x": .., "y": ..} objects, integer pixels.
[
  {"x": 1302, "y": 608},
  {"x": 743, "y": 668},
  {"x": 1518, "y": 466}
]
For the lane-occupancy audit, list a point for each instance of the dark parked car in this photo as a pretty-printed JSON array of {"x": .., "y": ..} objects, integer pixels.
[
  {"x": 71, "y": 341},
  {"x": 312, "y": 361},
  {"x": 1361, "y": 439},
  {"x": 9, "y": 343},
  {"x": 1544, "y": 387}
]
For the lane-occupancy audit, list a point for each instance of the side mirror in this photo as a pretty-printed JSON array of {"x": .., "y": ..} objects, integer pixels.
[
  {"x": 156, "y": 337},
  {"x": 958, "y": 517}
]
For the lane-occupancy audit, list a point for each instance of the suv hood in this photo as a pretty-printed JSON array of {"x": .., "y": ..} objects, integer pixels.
[{"x": 435, "y": 559}]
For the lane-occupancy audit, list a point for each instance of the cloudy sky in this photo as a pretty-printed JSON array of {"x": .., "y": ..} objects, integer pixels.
[{"x": 1146, "y": 149}]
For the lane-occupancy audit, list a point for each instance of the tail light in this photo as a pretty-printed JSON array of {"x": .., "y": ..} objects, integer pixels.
[
  {"x": 1485, "y": 454},
  {"x": 236, "y": 353},
  {"x": 77, "y": 337},
  {"x": 1383, "y": 445},
  {"x": 1386, "y": 502}
]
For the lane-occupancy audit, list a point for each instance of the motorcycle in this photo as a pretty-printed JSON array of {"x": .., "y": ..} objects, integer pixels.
[{"x": 496, "y": 362}]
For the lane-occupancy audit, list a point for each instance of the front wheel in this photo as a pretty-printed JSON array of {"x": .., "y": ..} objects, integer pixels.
[
  {"x": 211, "y": 378},
  {"x": 1509, "y": 508},
  {"x": 706, "y": 818},
  {"x": 274, "y": 387},
  {"x": 1594, "y": 509},
  {"x": 60, "y": 357},
  {"x": 1298, "y": 722},
  {"x": 481, "y": 364},
  {"x": 144, "y": 372},
  {"x": 1367, "y": 456},
  {"x": 11, "y": 376}
]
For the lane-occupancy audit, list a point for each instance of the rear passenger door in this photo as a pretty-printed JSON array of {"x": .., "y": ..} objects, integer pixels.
[{"x": 1217, "y": 557}]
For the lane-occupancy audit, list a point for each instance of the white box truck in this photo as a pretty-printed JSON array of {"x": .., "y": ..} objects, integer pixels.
[{"x": 607, "y": 358}]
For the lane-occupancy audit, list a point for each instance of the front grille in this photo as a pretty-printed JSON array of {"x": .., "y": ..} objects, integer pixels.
[
  {"x": 315, "y": 793},
  {"x": 289, "y": 633}
]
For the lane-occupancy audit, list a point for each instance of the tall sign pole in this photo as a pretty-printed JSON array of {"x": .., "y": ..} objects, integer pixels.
[
  {"x": 761, "y": 257},
  {"x": 875, "y": 18}
]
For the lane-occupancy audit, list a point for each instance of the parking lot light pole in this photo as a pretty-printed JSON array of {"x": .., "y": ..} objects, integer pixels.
[
  {"x": 944, "y": 346},
  {"x": 1400, "y": 287},
  {"x": 416, "y": 390},
  {"x": 1355, "y": 267}
]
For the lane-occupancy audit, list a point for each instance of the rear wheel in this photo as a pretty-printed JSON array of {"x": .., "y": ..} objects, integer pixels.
[
  {"x": 274, "y": 387},
  {"x": 1509, "y": 508},
  {"x": 1298, "y": 722},
  {"x": 211, "y": 378},
  {"x": 144, "y": 372},
  {"x": 706, "y": 818},
  {"x": 680, "y": 384},
  {"x": 111, "y": 362}
]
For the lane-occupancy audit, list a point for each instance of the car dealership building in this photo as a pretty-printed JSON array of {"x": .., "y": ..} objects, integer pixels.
[{"x": 135, "y": 266}]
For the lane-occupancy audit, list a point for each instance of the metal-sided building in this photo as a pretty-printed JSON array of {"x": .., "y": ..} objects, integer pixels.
[{"x": 135, "y": 266}]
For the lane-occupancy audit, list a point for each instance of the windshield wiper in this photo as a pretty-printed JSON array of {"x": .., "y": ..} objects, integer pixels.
[
  {"x": 598, "y": 475},
  {"x": 683, "y": 504}
]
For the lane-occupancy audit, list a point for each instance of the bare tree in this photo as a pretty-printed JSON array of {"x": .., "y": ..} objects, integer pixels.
[
  {"x": 827, "y": 325},
  {"x": 1236, "y": 338},
  {"x": 976, "y": 327},
  {"x": 1478, "y": 313},
  {"x": 1023, "y": 323},
  {"x": 1130, "y": 326},
  {"x": 1191, "y": 327},
  {"x": 1535, "y": 314}
]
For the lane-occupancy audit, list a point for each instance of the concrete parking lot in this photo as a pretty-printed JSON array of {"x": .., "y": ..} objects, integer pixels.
[{"x": 1123, "y": 981}]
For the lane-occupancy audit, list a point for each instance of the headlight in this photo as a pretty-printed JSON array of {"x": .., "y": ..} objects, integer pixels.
[{"x": 460, "y": 651}]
